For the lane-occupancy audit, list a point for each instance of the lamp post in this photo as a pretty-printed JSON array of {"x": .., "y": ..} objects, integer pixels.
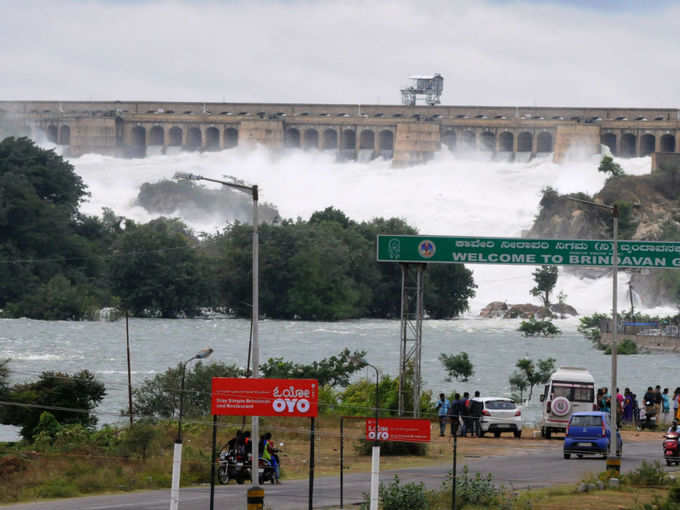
[
  {"x": 375, "y": 460},
  {"x": 254, "y": 194},
  {"x": 177, "y": 454},
  {"x": 613, "y": 406}
]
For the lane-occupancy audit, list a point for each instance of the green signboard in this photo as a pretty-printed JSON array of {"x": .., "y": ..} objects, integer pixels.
[{"x": 508, "y": 250}]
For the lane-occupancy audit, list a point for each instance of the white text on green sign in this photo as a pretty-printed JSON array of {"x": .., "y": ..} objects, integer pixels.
[{"x": 508, "y": 250}]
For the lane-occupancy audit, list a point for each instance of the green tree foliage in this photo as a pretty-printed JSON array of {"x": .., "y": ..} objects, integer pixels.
[
  {"x": 39, "y": 227},
  {"x": 4, "y": 377},
  {"x": 457, "y": 366},
  {"x": 332, "y": 371},
  {"x": 325, "y": 269},
  {"x": 358, "y": 399},
  {"x": 545, "y": 278},
  {"x": 608, "y": 166},
  {"x": 532, "y": 373},
  {"x": 627, "y": 346},
  {"x": 58, "y": 264},
  {"x": 159, "y": 396},
  {"x": 81, "y": 392},
  {"x": 533, "y": 327},
  {"x": 155, "y": 270},
  {"x": 518, "y": 383}
]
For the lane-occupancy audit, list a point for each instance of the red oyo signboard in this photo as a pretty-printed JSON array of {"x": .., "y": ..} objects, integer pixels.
[
  {"x": 395, "y": 429},
  {"x": 264, "y": 397}
]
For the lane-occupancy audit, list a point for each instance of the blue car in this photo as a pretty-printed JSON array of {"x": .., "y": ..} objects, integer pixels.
[{"x": 589, "y": 433}]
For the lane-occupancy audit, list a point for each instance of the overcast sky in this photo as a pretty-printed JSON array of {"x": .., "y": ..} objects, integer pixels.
[{"x": 490, "y": 52}]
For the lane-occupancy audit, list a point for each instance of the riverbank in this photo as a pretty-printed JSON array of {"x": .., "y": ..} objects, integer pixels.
[{"x": 646, "y": 342}]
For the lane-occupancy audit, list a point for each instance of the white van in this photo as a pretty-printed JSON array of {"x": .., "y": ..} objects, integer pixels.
[{"x": 570, "y": 390}]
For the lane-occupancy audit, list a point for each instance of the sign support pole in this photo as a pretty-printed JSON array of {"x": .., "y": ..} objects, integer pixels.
[
  {"x": 342, "y": 459},
  {"x": 453, "y": 473},
  {"x": 212, "y": 469},
  {"x": 311, "y": 463}
]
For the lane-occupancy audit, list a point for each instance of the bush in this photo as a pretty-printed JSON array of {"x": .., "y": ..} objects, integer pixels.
[
  {"x": 533, "y": 327},
  {"x": 410, "y": 496},
  {"x": 625, "y": 347},
  {"x": 473, "y": 490},
  {"x": 648, "y": 475},
  {"x": 138, "y": 440}
]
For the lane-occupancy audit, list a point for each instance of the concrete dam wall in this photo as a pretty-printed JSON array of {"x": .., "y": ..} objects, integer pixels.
[{"x": 405, "y": 134}]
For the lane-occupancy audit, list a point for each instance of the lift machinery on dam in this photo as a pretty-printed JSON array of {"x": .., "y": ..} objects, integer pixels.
[{"x": 406, "y": 134}]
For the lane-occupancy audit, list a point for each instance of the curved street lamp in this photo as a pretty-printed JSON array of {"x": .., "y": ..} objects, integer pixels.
[
  {"x": 253, "y": 191},
  {"x": 177, "y": 454}
]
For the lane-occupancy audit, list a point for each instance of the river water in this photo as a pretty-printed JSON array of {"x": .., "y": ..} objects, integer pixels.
[{"x": 448, "y": 196}]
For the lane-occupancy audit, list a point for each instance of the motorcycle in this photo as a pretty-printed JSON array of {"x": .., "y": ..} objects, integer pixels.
[
  {"x": 671, "y": 448},
  {"x": 648, "y": 416},
  {"x": 233, "y": 466}
]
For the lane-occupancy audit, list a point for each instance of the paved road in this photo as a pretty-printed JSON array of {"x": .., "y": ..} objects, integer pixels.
[{"x": 538, "y": 467}]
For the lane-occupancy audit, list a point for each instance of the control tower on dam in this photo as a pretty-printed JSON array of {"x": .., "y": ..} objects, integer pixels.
[{"x": 404, "y": 133}]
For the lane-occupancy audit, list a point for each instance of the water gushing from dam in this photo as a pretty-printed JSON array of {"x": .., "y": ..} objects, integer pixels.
[{"x": 446, "y": 196}]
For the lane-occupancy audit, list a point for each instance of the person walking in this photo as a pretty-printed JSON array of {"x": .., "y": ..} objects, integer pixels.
[
  {"x": 443, "y": 405},
  {"x": 676, "y": 402}
]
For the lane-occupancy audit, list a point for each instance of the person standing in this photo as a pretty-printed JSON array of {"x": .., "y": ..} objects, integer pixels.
[
  {"x": 476, "y": 407},
  {"x": 443, "y": 406},
  {"x": 627, "y": 406},
  {"x": 665, "y": 406},
  {"x": 676, "y": 402},
  {"x": 467, "y": 417},
  {"x": 454, "y": 414}
]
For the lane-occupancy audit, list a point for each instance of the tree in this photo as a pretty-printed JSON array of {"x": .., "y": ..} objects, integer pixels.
[
  {"x": 518, "y": 382},
  {"x": 56, "y": 391},
  {"x": 458, "y": 366},
  {"x": 333, "y": 371},
  {"x": 545, "y": 278},
  {"x": 4, "y": 377},
  {"x": 155, "y": 270},
  {"x": 534, "y": 373},
  {"x": 159, "y": 396},
  {"x": 533, "y": 327},
  {"x": 608, "y": 166},
  {"x": 448, "y": 287},
  {"x": 39, "y": 198}
]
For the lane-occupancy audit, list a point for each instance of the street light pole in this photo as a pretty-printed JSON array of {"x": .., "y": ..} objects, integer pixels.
[
  {"x": 613, "y": 406},
  {"x": 253, "y": 191},
  {"x": 177, "y": 454}
]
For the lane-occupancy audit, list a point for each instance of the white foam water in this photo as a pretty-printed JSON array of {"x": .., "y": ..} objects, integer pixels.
[{"x": 447, "y": 196}]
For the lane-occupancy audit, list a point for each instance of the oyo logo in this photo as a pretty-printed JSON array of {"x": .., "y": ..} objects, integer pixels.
[
  {"x": 281, "y": 405},
  {"x": 291, "y": 399},
  {"x": 383, "y": 435}
]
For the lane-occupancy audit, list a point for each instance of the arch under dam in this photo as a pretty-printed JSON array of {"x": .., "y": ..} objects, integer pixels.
[{"x": 405, "y": 134}]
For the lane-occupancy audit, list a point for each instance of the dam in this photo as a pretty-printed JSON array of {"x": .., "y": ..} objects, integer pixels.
[{"x": 406, "y": 134}]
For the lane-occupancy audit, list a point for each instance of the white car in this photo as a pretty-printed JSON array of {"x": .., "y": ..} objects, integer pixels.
[{"x": 500, "y": 414}]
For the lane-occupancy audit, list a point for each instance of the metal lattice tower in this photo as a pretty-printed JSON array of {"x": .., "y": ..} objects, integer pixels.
[{"x": 412, "y": 276}]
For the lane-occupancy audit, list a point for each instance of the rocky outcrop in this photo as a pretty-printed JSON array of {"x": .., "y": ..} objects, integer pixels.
[
  {"x": 502, "y": 310},
  {"x": 656, "y": 219}
]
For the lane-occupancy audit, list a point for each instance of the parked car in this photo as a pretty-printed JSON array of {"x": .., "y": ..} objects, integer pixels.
[
  {"x": 589, "y": 433},
  {"x": 500, "y": 414}
]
